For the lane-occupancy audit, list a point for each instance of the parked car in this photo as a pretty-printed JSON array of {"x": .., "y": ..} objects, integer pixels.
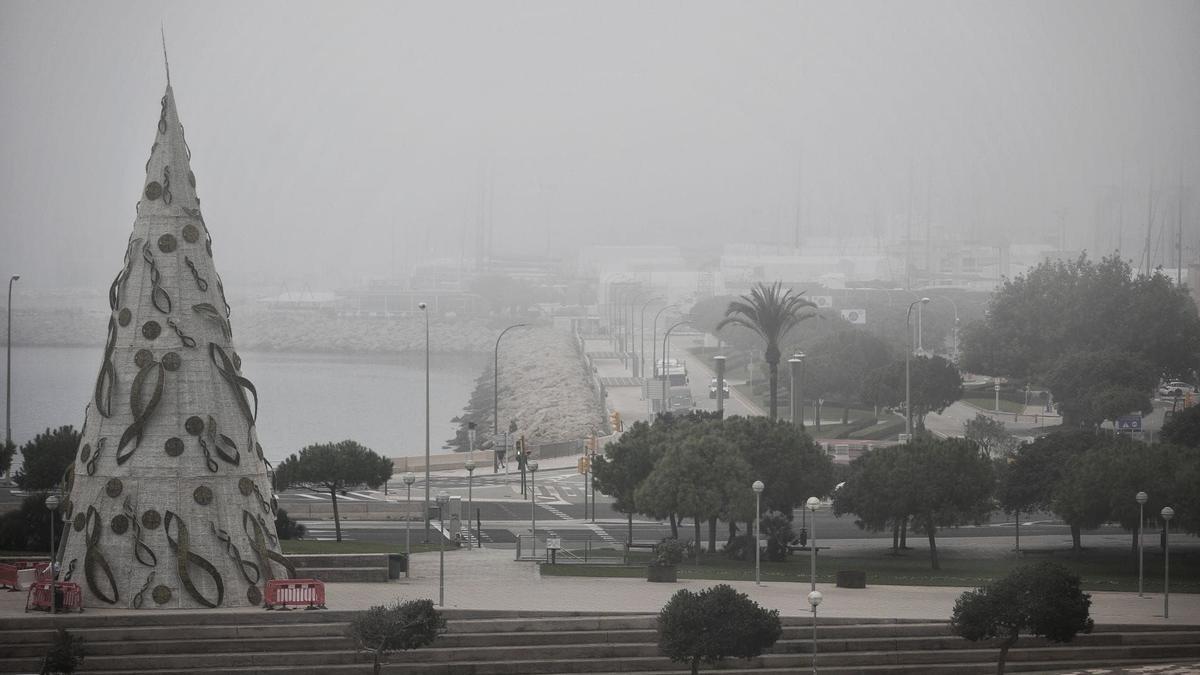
[
  {"x": 1173, "y": 389},
  {"x": 712, "y": 389}
]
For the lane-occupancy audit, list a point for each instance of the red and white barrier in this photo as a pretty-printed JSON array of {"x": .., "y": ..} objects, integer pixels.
[{"x": 284, "y": 592}]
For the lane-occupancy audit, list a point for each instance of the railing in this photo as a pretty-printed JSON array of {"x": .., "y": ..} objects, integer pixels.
[{"x": 582, "y": 550}]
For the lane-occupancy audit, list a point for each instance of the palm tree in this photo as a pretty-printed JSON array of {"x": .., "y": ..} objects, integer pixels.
[{"x": 770, "y": 312}]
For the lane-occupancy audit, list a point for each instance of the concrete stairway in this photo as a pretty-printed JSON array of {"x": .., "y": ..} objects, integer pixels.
[
  {"x": 341, "y": 567},
  {"x": 477, "y": 643}
]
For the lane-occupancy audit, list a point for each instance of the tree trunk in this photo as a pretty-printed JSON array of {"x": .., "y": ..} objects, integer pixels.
[
  {"x": 337, "y": 523},
  {"x": 904, "y": 534},
  {"x": 846, "y": 414},
  {"x": 733, "y": 530},
  {"x": 674, "y": 527},
  {"x": 773, "y": 368},
  {"x": 712, "y": 535},
  {"x": 1133, "y": 544},
  {"x": 932, "y": 543},
  {"x": 630, "y": 537},
  {"x": 695, "y": 665},
  {"x": 1004, "y": 647},
  {"x": 697, "y": 542},
  {"x": 1076, "y": 541},
  {"x": 895, "y": 537}
]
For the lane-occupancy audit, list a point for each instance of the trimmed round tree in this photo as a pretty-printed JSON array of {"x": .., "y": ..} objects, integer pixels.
[
  {"x": 334, "y": 468},
  {"x": 713, "y": 624},
  {"x": 1042, "y": 600}
]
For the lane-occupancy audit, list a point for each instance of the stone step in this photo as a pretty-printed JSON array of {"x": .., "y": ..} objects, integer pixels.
[
  {"x": 326, "y": 560},
  {"x": 170, "y": 633},
  {"x": 344, "y": 574},
  {"x": 96, "y": 648}
]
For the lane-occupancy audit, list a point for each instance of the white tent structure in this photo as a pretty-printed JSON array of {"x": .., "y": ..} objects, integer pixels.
[{"x": 170, "y": 503}]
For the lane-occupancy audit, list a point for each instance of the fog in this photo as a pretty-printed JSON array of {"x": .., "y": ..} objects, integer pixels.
[{"x": 339, "y": 142}]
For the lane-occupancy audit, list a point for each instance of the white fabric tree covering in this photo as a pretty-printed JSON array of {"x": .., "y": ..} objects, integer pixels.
[{"x": 169, "y": 455}]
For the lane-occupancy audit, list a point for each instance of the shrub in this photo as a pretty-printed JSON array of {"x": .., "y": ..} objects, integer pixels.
[
  {"x": 668, "y": 552},
  {"x": 397, "y": 627},
  {"x": 715, "y": 623},
  {"x": 286, "y": 527},
  {"x": 65, "y": 654},
  {"x": 740, "y": 547},
  {"x": 46, "y": 458},
  {"x": 1042, "y": 599},
  {"x": 27, "y": 528},
  {"x": 777, "y": 530}
]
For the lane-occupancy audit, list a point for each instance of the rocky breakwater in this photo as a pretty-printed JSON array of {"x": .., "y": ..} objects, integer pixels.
[{"x": 543, "y": 387}]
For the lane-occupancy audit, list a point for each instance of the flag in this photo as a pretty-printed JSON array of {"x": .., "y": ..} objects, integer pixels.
[
  {"x": 822, "y": 301},
  {"x": 858, "y": 316}
]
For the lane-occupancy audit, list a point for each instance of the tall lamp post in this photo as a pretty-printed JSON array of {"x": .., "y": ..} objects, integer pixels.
[
  {"x": 1141, "y": 499},
  {"x": 666, "y": 369},
  {"x": 1167, "y": 514},
  {"x": 813, "y": 504},
  {"x": 719, "y": 361},
  {"x": 52, "y": 503},
  {"x": 470, "y": 467},
  {"x": 641, "y": 360},
  {"x": 496, "y": 382},
  {"x": 796, "y": 363},
  {"x": 425, "y": 506},
  {"x": 814, "y": 599},
  {"x": 8, "y": 369},
  {"x": 533, "y": 467},
  {"x": 443, "y": 502},
  {"x": 409, "y": 479},
  {"x": 908, "y": 368},
  {"x": 757, "y": 486},
  {"x": 654, "y": 337}
]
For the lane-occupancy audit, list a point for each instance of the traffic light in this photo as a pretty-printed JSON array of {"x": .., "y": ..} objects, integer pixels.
[
  {"x": 616, "y": 421},
  {"x": 584, "y": 465}
]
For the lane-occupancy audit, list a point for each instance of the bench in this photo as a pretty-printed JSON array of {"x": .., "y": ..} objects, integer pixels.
[
  {"x": 40, "y": 593},
  {"x": 284, "y": 592}
]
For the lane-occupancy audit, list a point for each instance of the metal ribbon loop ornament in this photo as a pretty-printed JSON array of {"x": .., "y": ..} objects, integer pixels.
[
  {"x": 141, "y": 414},
  {"x": 118, "y": 284},
  {"x": 256, "y": 530},
  {"x": 184, "y": 557},
  {"x": 221, "y": 288},
  {"x": 106, "y": 381},
  {"x": 93, "y": 558},
  {"x": 162, "y": 116},
  {"x": 228, "y": 371},
  {"x": 201, "y": 282},
  {"x": 266, "y": 506},
  {"x": 209, "y": 312},
  {"x": 166, "y": 185},
  {"x": 248, "y": 569},
  {"x": 221, "y": 443},
  {"x": 187, "y": 341},
  {"x": 158, "y": 295},
  {"x": 208, "y": 460},
  {"x": 91, "y": 462},
  {"x": 140, "y": 549},
  {"x": 140, "y": 596}
]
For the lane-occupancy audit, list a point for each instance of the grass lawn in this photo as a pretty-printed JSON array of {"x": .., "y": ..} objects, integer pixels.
[
  {"x": 314, "y": 546},
  {"x": 989, "y": 403},
  {"x": 1099, "y": 570}
]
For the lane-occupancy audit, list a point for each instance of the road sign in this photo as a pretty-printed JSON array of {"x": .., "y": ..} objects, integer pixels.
[{"x": 1129, "y": 423}]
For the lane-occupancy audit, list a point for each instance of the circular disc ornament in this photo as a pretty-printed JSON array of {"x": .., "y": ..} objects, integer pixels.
[
  {"x": 245, "y": 486},
  {"x": 80, "y": 522},
  {"x": 143, "y": 358},
  {"x": 194, "y": 425},
  {"x": 86, "y": 452},
  {"x": 203, "y": 495},
  {"x": 173, "y": 446},
  {"x": 190, "y": 234},
  {"x": 161, "y": 594},
  {"x": 113, "y": 488},
  {"x": 151, "y": 330},
  {"x": 167, "y": 243},
  {"x": 153, "y": 190},
  {"x": 253, "y": 595},
  {"x": 151, "y": 520},
  {"x": 119, "y": 524},
  {"x": 171, "y": 361},
  {"x": 124, "y": 317}
]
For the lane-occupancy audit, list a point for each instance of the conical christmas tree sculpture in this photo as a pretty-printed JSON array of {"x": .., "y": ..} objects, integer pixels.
[{"x": 170, "y": 500}]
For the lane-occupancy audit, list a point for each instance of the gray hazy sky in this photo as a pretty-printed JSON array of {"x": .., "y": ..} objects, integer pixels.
[{"x": 333, "y": 140}]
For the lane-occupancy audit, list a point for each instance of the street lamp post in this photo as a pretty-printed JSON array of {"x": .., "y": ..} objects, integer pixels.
[
  {"x": 443, "y": 501},
  {"x": 796, "y": 362},
  {"x": 52, "y": 503},
  {"x": 409, "y": 478},
  {"x": 908, "y": 368},
  {"x": 425, "y": 506},
  {"x": 814, "y": 599},
  {"x": 641, "y": 360},
  {"x": 813, "y": 504},
  {"x": 1141, "y": 499},
  {"x": 654, "y": 338},
  {"x": 496, "y": 382},
  {"x": 996, "y": 388},
  {"x": 1167, "y": 514},
  {"x": 470, "y": 466},
  {"x": 666, "y": 368},
  {"x": 533, "y": 467},
  {"x": 757, "y": 486},
  {"x": 719, "y": 359},
  {"x": 8, "y": 369}
]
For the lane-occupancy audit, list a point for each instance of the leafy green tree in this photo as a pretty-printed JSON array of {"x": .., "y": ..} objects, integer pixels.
[
  {"x": 26, "y": 528},
  {"x": 1036, "y": 479},
  {"x": 623, "y": 466},
  {"x": 769, "y": 312},
  {"x": 1091, "y": 387},
  {"x": 873, "y": 493},
  {"x": 333, "y": 468},
  {"x": 989, "y": 434},
  {"x": 7, "y": 450},
  {"x": 1183, "y": 429},
  {"x": 396, "y": 627},
  {"x": 837, "y": 365},
  {"x": 1043, "y": 600},
  {"x": 1081, "y": 307},
  {"x": 952, "y": 483},
  {"x": 713, "y": 624},
  {"x": 45, "y": 459},
  {"x": 935, "y": 384}
]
